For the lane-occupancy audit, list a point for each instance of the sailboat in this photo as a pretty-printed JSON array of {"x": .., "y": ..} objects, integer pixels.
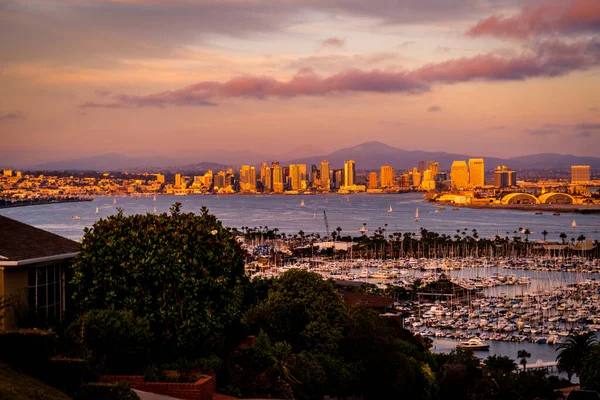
[
  {"x": 390, "y": 209},
  {"x": 315, "y": 215},
  {"x": 115, "y": 200},
  {"x": 302, "y": 203},
  {"x": 417, "y": 215},
  {"x": 96, "y": 210},
  {"x": 154, "y": 198},
  {"x": 573, "y": 224},
  {"x": 154, "y": 209},
  {"x": 326, "y": 200}
]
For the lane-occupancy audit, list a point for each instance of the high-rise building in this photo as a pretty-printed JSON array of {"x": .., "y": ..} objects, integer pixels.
[
  {"x": 504, "y": 177},
  {"x": 476, "y": 172},
  {"x": 248, "y": 178},
  {"x": 349, "y": 173},
  {"x": 277, "y": 173},
  {"x": 178, "y": 180},
  {"x": 160, "y": 178},
  {"x": 434, "y": 166},
  {"x": 386, "y": 176},
  {"x": 263, "y": 172},
  {"x": 337, "y": 181},
  {"x": 580, "y": 174},
  {"x": 405, "y": 180},
  {"x": 8, "y": 172},
  {"x": 314, "y": 179},
  {"x": 219, "y": 180},
  {"x": 421, "y": 167},
  {"x": 416, "y": 177},
  {"x": 372, "y": 180},
  {"x": 297, "y": 176},
  {"x": 459, "y": 174},
  {"x": 325, "y": 180},
  {"x": 428, "y": 181},
  {"x": 268, "y": 183},
  {"x": 19, "y": 174}
]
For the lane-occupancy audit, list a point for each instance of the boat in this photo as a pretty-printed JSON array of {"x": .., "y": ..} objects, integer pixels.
[
  {"x": 302, "y": 203},
  {"x": 326, "y": 200},
  {"x": 154, "y": 210},
  {"x": 455, "y": 208},
  {"x": 538, "y": 213},
  {"x": 473, "y": 344},
  {"x": 115, "y": 200},
  {"x": 573, "y": 224},
  {"x": 75, "y": 217},
  {"x": 315, "y": 215},
  {"x": 154, "y": 198},
  {"x": 363, "y": 230},
  {"x": 390, "y": 209},
  {"x": 555, "y": 213},
  {"x": 97, "y": 210},
  {"x": 442, "y": 208},
  {"x": 437, "y": 211},
  {"x": 417, "y": 215},
  {"x": 180, "y": 194}
]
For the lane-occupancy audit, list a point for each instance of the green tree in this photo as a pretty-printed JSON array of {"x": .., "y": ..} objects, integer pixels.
[
  {"x": 523, "y": 355},
  {"x": 544, "y": 234},
  {"x": 184, "y": 272},
  {"x": 563, "y": 237},
  {"x": 573, "y": 351},
  {"x": 497, "y": 365},
  {"x": 590, "y": 370}
]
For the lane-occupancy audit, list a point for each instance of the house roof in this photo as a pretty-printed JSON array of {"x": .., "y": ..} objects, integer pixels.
[
  {"x": 366, "y": 300},
  {"x": 21, "y": 244}
]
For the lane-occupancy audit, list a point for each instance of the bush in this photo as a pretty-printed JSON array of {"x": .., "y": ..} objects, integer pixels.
[
  {"x": 118, "y": 341},
  {"x": 106, "y": 391},
  {"x": 68, "y": 374},
  {"x": 27, "y": 349}
]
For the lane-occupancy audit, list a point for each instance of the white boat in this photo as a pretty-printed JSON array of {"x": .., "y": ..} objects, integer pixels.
[
  {"x": 154, "y": 198},
  {"x": 417, "y": 215},
  {"x": 573, "y": 224},
  {"x": 474, "y": 344},
  {"x": 315, "y": 215},
  {"x": 115, "y": 200},
  {"x": 390, "y": 209},
  {"x": 302, "y": 203},
  {"x": 363, "y": 230},
  {"x": 154, "y": 210},
  {"x": 180, "y": 194},
  {"x": 97, "y": 210},
  {"x": 75, "y": 217}
]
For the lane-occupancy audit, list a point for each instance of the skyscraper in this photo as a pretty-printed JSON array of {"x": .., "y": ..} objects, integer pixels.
[
  {"x": 504, "y": 177},
  {"x": 277, "y": 177},
  {"x": 349, "y": 173},
  {"x": 476, "y": 172},
  {"x": 268, "y": 180},
  {"x": 178, "y": 180},
  {"x": 416, "y": 177},
  {"x": 325, "y": 181},
  {"x": 459, "y": 174},
  {"x": 386, "y": 176},
  {"x": 297, "y": 176},
  {"x": 580, "y": 174},
  {"x": 434, "y": 166},
  {"x": 372, "y": 180},
  {"x": 421, "y": 167},
  {"x": 263, "y": 172},
  {"x": 428, "y": 182},
  {"x": 248, "y": 178}
]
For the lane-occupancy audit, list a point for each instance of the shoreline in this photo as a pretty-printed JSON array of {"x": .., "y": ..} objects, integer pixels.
[
  {"x": 561, "y": 208},
  {"x": 41, "y": 202}
]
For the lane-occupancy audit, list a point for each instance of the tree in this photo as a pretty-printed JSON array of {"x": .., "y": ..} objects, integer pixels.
[
  {"x": 590, "y": 370},
  {"x": 544, "y": 234},
  {"x": 563, "y": 237},
  {"x": 573, "y": 351},
  {"x": 523, "y": 355},
  {"x": 181, "y": 271},
  {"x": 497, "y": 365}
]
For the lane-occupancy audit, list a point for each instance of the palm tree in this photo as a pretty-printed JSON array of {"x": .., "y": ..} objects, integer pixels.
[
  {"x": 573, "y": 351},
  {"x": 544, "y": 234},
  {"x": 562, "y": 237},
  {"x": 523, "y": 355}
]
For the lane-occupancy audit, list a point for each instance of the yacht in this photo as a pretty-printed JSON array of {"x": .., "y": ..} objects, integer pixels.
[
  {"x": 390, "y": 209},
  {"x": 417, "y": 215},
  {"x": 556, "y": 213},
  {"x": 573, "y": 224},
  {"x": 302, "y": 203},
  {"x": 75, "y": 217},
  {"x": 97, "y": 211},
  {"x": 473, "y": 344}
]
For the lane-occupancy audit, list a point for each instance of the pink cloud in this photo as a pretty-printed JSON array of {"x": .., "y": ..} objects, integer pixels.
[
  {"x": 548, "y": 59},
  {"x": 333, "y": 42},
  {"x": 555, "y": 16}
]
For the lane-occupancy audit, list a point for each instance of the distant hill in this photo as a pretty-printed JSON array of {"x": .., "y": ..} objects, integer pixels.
[
  {"x": 552, "y": 160},
  {"x": 372, "y": 155}
]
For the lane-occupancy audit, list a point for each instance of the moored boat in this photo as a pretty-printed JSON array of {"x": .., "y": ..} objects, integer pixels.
[{"x": 474, "y": 344}]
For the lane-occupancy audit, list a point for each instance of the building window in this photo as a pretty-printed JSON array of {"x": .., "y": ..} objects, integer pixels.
[{"x": 45, "y": 293}]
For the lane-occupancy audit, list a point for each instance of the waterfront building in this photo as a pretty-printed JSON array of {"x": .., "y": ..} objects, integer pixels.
[
  {"x": 297, "y": 176},
  {"x": 268, "y": 180},
  {"x": 421, "y": 167},
  {"x": 248, "y": 178},
  {"x": 504, "y": 177},
  {"x": 386, "y": 176},
  {"x": 580, "y": 174},
  {"x": 434, "y": 166},
  {"x": 219, "y": 180},
  {"x": 7, "y": 172},
  {"x": 459, "y": 174},
  {"x": 160, "y": 178},
  {"x": 476, "y": 172},
  {"x": 178, "y": 180},
  {"x": 405, "y": 180},
  {"x": 263, "y": 172},
  {"x": 337, "y": 181},
  {"x": 349, "y": 173},
  {"x": 428, "y": 182},
  {"x": 372, "y": 180},
  {"x": 325, "y": 179},
  {"x": 277, "y": 174},
  {"x": 315, "y": 177},
  {"x": 33, "y": 271},
  {"x": 416, "y": 177}
]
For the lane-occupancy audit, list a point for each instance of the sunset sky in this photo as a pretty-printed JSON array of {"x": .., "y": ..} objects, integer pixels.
[{"x": 305, "y": 77}]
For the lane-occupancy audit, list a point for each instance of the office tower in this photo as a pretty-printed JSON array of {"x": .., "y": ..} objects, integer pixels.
[
  {"x": 337, "y": 180},
  {"x": 349, "y": 173},
  {"x": 580, "y": 174},
  {"x": 160, "y": 178},
  {"x": 248, "y": 178},
  {"x": 386, "y": 176},
  {"x": 229, "y": 178},
  {"x": 207, "y": 178},
  {"x": 178, "y": 180},
  {"x": 219, "y": 180},
  {"x": 428, "y": 181},
  {"x": 504, "y": 177},
  {"x": 434, "y": 166},
  {"x": 421, "y": 167},
  {"x": 459, "y": 174},
  {"x": 268, "y": 180},
  {"x": 263, "y": 172},
  {"x": 325, "y": 180},
  {"x": 314, "y": 179},
  {"x": 405, "y": 180},
  {"x": 416, "y": 177},
  {"x": 476, "y": 172},
  {"x": 277, "y": 174},
  {"x": 286, "y": 175},
  {"x": 8, "y": 172},
  {"x": 19, "y": 174},
  {"x": 372, "y": 180},
  {"x": 297, "y": 176}
]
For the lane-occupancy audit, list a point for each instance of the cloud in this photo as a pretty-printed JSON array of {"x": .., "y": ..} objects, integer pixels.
[
  {"x": 102, "y": 93},
  {"x": 579, "y": 130},
  {"x": 11, "y": 116},
  {"x": 586, "y": 126},
  {"x": 549, "y": 59},
  {"x": 434, "y": 109},
  {"x": 554, "y": 16},
  {"x": 333, "y": 42},
  {"x": 391, "y": 123},
  {"x": 498, "y": 127}
]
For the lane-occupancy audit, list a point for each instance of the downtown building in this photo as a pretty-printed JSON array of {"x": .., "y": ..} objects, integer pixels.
[
  {"x": 504, "y": 177},
  {"x": 580, "y": 174}
]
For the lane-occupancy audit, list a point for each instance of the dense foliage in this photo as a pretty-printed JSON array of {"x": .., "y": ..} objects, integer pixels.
[
  {"x": 181, "y": 271},
  {"x": 590, "y": 370}
]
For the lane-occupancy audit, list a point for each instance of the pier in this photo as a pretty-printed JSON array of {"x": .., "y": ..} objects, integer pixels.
[{"x": 540, "y": 364}]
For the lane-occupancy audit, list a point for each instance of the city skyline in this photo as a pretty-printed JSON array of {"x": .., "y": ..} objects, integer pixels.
[{"x": 88, "y": 77}]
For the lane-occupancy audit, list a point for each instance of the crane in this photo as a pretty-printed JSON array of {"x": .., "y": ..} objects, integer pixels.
[{"x": 326, "y": 223}]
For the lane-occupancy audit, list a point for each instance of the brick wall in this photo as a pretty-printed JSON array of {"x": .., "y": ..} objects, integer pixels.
[{"x": 200, "y": 390}]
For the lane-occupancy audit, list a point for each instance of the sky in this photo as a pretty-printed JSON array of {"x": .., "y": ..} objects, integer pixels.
[{"x": 305, "y": 77}]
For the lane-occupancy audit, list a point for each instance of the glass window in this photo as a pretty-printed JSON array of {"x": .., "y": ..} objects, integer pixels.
[{"x": 45, "y": 293}]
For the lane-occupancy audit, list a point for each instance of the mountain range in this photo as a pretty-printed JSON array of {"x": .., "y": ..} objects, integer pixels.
[{"x": 368, "y": 155}]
